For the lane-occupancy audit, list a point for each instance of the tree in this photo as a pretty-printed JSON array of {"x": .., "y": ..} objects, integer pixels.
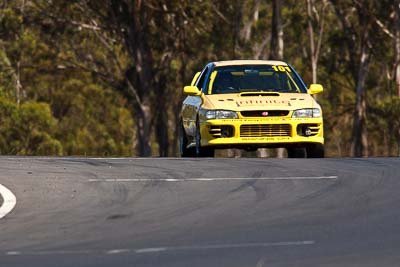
[
  {"x": 397, "y": 43},
  {"x": 357, "y": 27},
  {"x": 109, "y": 75},
  {"x": 315, "y": 19},
  {"x": 276, "y": 32}
]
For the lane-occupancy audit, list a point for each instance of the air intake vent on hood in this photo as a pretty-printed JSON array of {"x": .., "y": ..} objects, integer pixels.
[{"x": 259, "y": 94}]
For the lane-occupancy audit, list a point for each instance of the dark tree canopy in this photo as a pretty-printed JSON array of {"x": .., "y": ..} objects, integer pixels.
[{"x": 106, "y": 77}]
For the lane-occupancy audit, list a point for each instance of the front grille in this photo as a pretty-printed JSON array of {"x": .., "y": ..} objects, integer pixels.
[
  {"x": 265, "y": 113},
  {"x": 265, "y": 130}
]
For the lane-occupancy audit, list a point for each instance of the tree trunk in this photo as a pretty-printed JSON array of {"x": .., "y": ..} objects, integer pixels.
[
  {"x": 245, "y": 33},
  {"x": 397, "y": 45},
  {"x": 162, "y": 119},
  {"x": 359, "y": 47},
  {"x": 236, "y": 27},
  {"x": 312, "y": 43},
  {"x": 276, "y": 32},
  {"x": 135, "y": 18},
  {"x": 143, "y": 126},
  {"x": 315, "y": 47},
  {"x": 359, "y": 144},
  {"x": 397, "y": 57},
  {"x": 18, "y": 85},
  {"x": 144, "y": 70}
]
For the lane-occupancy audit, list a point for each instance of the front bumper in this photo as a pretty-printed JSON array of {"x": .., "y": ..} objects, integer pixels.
[{"x": 262, "y": 132}]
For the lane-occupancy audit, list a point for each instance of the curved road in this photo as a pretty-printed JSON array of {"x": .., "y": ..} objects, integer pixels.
[{"x": 201, "y": 212}]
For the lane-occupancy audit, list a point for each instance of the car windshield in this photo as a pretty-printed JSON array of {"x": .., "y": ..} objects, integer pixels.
[{"x": 254, "y": 78}]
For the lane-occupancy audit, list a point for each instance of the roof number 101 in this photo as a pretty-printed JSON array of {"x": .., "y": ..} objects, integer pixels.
[{"x": 281, "y": 68}]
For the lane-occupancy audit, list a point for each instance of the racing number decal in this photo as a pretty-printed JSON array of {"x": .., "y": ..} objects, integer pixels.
[{"x": 281, "y": 68}]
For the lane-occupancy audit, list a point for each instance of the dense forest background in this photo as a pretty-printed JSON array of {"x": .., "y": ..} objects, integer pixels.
[{"x": 105, "y": 77}]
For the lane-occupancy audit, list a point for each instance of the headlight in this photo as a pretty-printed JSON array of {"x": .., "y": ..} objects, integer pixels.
[
  {"x": 307, "y": 113},
  {"x": 220, "y": 114}
]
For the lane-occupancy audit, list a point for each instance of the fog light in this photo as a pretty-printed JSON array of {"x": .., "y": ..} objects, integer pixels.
[
  {"x": 226, "y": 131},
  {"x": 307, "y": 131}
]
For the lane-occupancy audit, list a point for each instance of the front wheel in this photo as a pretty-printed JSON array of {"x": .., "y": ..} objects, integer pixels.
[
  {"x": 183, "y": 143},
  {"x": 315, "y": 151},
  {"x": 202, "y": 151},
  {"x": 296, "y": 152}
]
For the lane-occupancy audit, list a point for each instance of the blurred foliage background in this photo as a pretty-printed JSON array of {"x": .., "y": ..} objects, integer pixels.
[{"x": 105, "y": 78}]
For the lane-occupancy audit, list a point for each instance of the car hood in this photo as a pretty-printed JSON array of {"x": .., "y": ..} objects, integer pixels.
[{"x": 259, "y": 101}]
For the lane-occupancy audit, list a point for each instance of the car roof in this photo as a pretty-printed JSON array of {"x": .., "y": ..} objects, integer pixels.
[{"x": 248, "y": 62}]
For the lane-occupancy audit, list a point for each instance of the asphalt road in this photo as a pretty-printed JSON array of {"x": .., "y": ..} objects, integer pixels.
[{"x": 163, "y": 212}]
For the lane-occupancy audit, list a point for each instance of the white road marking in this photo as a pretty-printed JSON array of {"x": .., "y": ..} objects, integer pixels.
[
  {"x": 226, "y": 246},
  {"x": 150, "y": 250},
  {"x": 9, "y": 201},
  {"x": 117, "y": 251},
  {"x": 13, "y": 253},
  {"x": 213, "y": 179},
  {"x": 160, "y": 249}
]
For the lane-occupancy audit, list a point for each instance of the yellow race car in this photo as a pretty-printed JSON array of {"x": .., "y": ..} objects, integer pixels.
[{"x": 250, "y": 104}]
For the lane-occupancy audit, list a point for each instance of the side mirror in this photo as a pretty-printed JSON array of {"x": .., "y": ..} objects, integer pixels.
[
  {"x": 191, "y": 90},
  {"x": 315, "y": 89}
]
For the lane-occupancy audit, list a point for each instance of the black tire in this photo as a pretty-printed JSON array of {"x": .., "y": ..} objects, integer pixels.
[
  {"x": 296, "y": 152},
  {"x": 202, "y": 152},
  {"x": 183, "y": 143},
  {"x": 315, "y": 151}
]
